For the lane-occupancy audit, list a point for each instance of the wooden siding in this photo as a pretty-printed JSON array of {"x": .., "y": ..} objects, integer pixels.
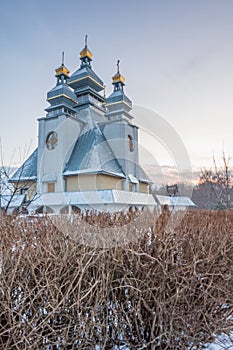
[
  {"x": 144, "y": 188},
  {"x": 31, "y": 185},
  {"x": 92, "y": 182}
]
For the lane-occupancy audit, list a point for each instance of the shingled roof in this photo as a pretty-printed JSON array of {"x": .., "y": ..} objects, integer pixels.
[
  {"x": 27, "y": 171},
  {"x": 93, "y": 155}
]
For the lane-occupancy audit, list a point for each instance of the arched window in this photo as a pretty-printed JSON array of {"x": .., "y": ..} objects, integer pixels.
[
  {"x": 73, "y": 210},
  {"x": 64, "y": 210},
  {"x": 44, "y": 210},
  {"x": 130, "y": 143}
]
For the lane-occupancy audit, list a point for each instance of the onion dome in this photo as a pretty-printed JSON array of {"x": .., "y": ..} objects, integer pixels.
[{"x": 61, "y": 98}]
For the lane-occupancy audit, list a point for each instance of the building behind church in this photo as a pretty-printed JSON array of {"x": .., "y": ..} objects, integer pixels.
[{"x": 87, "y": 154}]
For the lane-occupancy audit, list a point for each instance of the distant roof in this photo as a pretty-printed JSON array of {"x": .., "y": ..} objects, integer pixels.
[
  {"x": 175, "y": 201},
  {"x": 27, "y": 171},
  {"x": 92, "y": 154},
  {"x": 15, "y": 200}
]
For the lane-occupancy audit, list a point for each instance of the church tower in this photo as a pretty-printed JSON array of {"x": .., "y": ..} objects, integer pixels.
[
  {"x": 120, "y": 131},
  {"x": 87, "y": 87},
  {"x": 58, "y": 131},
  {"x": 118, "y": 105},
  {"x": 61, "y": 98}
]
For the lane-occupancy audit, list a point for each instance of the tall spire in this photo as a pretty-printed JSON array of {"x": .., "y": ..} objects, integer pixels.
[
  {"x": 118, "y": 66},
  {"x": 62, "y": 72},
  {"x": 86, "y": 55}
]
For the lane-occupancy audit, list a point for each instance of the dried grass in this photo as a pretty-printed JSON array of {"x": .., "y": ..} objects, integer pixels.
[{"x": 171, "y": 288}]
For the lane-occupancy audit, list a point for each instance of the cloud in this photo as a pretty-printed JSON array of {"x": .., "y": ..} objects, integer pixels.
[{"x": 167, "y": 175}]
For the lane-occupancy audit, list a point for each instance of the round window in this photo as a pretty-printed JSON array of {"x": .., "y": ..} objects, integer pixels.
[{"x": 52, "y": 140}]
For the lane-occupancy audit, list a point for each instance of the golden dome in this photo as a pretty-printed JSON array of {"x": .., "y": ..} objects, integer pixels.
[
  {"x": 62, "y": 69},
  {"x": 86, "y": 52},
  {"x": 118, "y": 78}
]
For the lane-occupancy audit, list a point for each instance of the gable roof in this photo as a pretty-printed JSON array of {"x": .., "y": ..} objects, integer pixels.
[
  {"x": 93, "y": 155},
  {"x": 175, "y": 201},
  {"x": 27, "y": 171}
]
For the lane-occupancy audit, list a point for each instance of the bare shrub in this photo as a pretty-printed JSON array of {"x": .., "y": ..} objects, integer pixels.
[{"x": 170, "y": 289}]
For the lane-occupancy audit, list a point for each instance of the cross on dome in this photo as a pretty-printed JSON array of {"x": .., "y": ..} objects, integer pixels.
[
  {"x": 118, "y": 80},
  {"x": 62, "y": 71},
  {"x": 85, "y": 54}
]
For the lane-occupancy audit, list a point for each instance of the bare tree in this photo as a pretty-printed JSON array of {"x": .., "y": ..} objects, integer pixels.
[
  {"x": 215, "y": 187},
  {"x": 224, "y": 177},
  {"x": 9, "y": 190}
]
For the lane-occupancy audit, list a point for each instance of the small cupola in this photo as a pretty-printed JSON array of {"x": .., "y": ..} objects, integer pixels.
[
  {"x": 118, "y": 80},
  {"x": 86, "y": 83},
  {"x": 61, "y": 98},
  {"x": 62, "y": 71},
  {"x": 118, "y": 105},
  {"x": 86, "y": 55}
]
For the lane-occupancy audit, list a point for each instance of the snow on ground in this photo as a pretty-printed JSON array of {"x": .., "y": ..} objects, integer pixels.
[{"x": 223, "y": 342}]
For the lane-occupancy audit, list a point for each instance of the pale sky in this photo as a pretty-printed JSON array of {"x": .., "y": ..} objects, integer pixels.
[{"x": 176, "y": 56}]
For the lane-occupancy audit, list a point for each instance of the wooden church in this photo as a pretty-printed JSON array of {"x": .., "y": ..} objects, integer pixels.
[{"x": 87, "y": 154}]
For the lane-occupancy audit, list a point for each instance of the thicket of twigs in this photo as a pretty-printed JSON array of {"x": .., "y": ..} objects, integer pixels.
[{"x": 171, "y": 289}]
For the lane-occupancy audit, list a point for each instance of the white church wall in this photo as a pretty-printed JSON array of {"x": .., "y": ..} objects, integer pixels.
[
  {"x": 117, "y": 134},
  {"x": 51, "y": 161}
]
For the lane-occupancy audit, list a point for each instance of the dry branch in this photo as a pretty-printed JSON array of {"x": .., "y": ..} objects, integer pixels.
[{"x": 170, "y": 289}]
